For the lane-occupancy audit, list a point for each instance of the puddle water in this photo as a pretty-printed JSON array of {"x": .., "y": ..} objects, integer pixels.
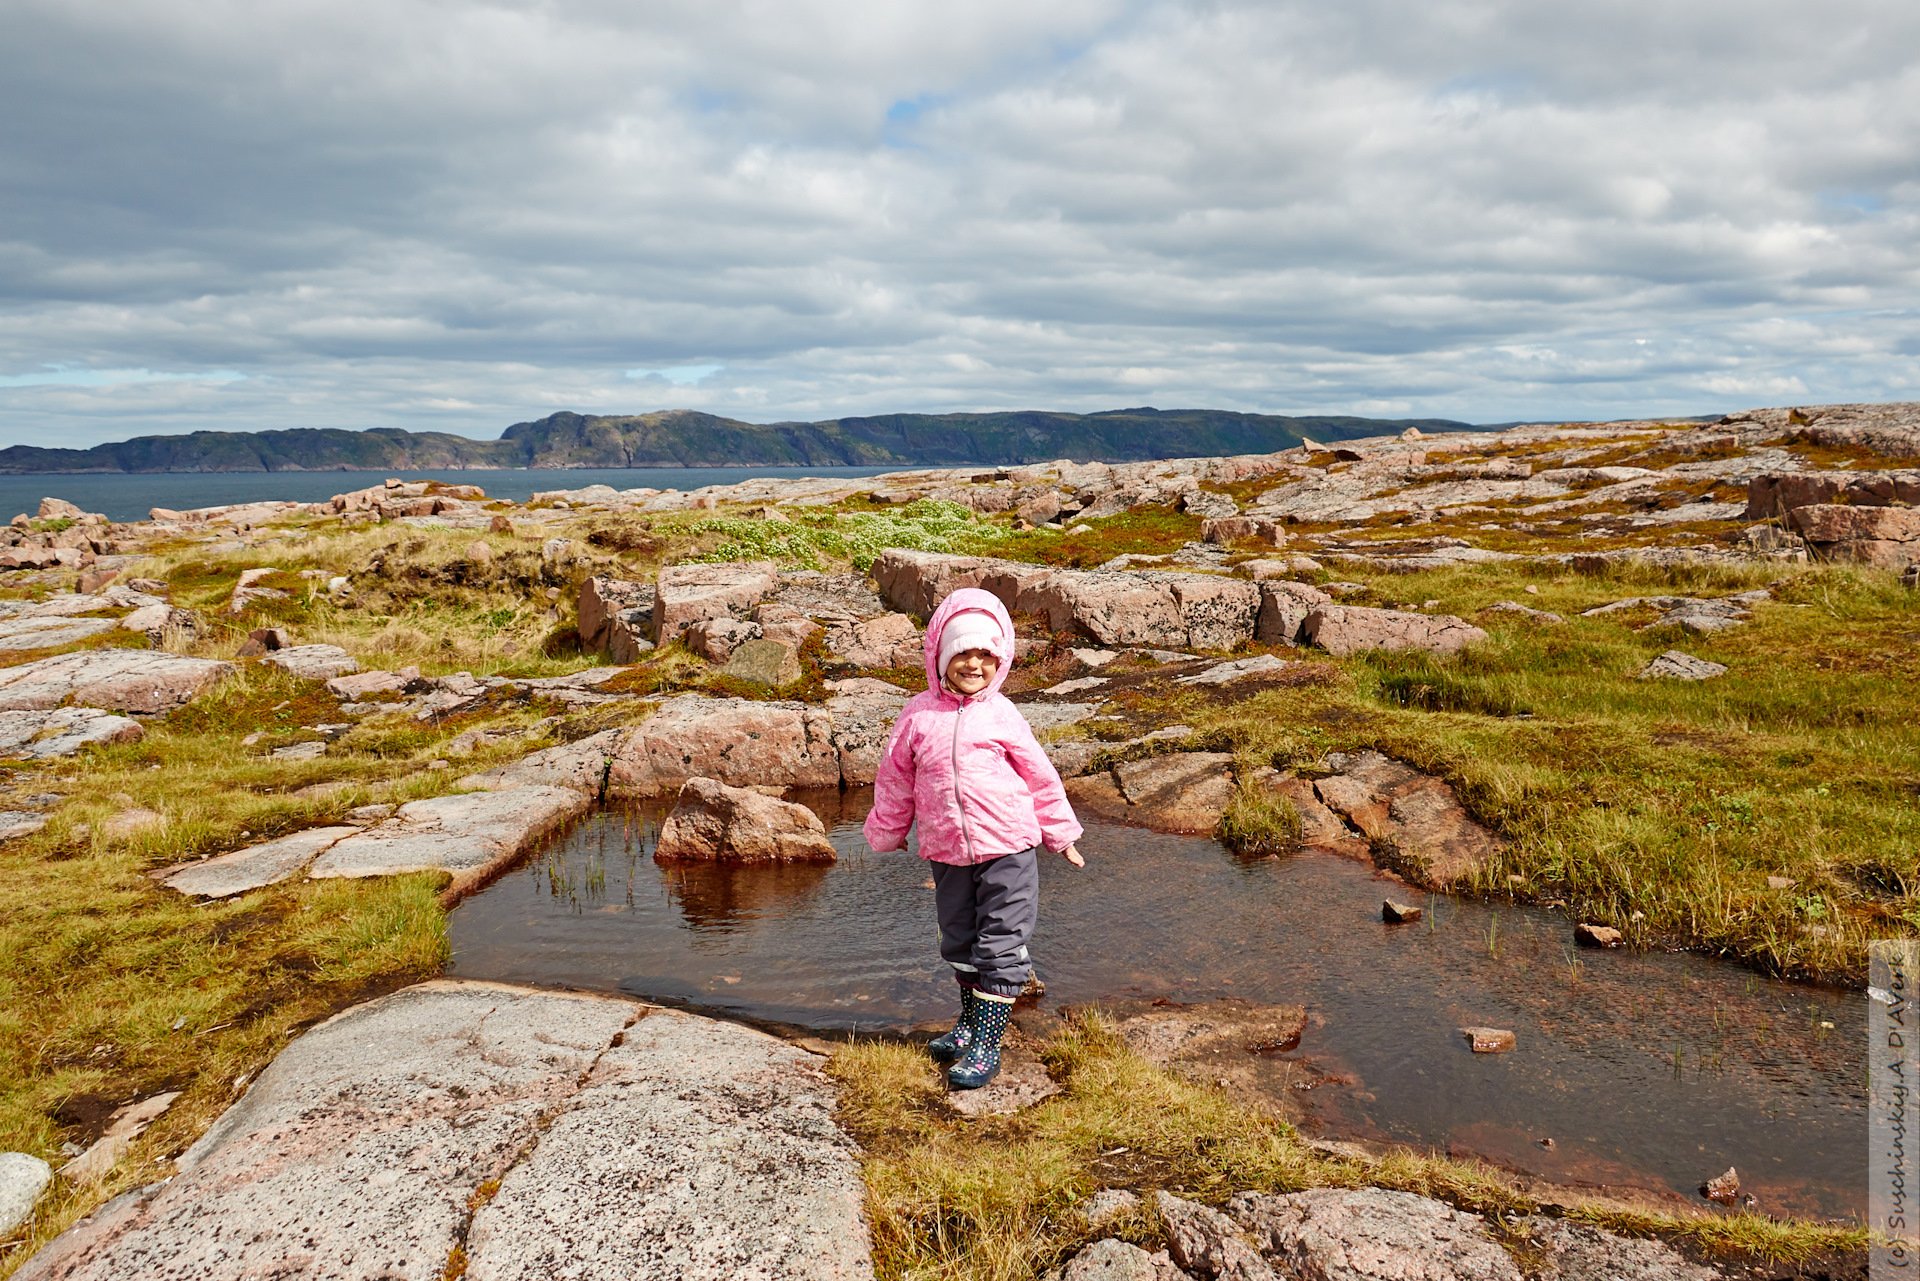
[{"x": 1646, "y": 1071}]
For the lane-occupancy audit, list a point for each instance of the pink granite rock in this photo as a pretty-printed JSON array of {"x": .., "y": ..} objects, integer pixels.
[
  {"x": 740, "y": 742},
  {"x": 120, "y": 680},
  {"x": 711, "y": 821},
  {"x": 1349, "y": 629},
  {"x": 687, "y": 594}
]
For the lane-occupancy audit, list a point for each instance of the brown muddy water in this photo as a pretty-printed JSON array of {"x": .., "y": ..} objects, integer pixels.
[{"x": 1646, "y": 1071}]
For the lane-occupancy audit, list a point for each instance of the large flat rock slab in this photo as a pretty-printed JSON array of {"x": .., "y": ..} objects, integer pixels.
[
  {"x": 698, "y": 1150},
  {"x": 256, "y": 866},
  {"x": 119, "y": 680},
  {"x": 624, "y": 1141},
  {"x": 470, "y": 835},
  {"x": 62, "y": 731},
  {"x": 46, "y": 632}
]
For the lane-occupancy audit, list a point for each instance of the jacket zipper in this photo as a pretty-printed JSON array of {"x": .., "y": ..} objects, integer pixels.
[{"x": 966, "y": 838}]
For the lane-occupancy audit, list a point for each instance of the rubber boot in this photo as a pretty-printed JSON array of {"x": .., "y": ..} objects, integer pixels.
[
  {"x": 951, "y": 1045},
  {"x": 981, "y": 1062}
]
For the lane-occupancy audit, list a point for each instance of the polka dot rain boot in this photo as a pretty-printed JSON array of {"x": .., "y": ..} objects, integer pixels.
[
  {"x": 951, "y": 1045},
  {"x": 981, "y": 1062}
]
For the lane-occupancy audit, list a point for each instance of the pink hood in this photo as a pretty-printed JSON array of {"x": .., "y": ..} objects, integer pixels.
[
  {"x": 967, "y": 770},
  {"x": 964, "y": 601}
]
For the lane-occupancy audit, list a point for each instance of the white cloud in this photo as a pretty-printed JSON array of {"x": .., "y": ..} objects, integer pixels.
[{"x": 457, "y": 216}]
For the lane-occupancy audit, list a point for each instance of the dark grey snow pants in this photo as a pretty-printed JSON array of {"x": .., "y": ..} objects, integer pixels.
[{"x": 987, "y": 914}]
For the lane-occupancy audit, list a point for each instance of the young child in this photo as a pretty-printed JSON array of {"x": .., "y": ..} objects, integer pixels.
[{"x": 963, "y": 762}]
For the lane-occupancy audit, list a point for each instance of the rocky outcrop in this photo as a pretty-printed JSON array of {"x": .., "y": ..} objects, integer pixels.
[
  {"x": 863, "y": 712},
  {"x": 120, "y": 680},
  {"x": 739, "y": 742},
  {"x": 1349, "y": 629},
  {"x": 1413, "y": 819},
  {"x": 469, "y": 836},
  {"x": 534, "y": 1134},
  {"x": 62, "y": 731},
  {"x": 1204, "y": 1242},
  {"x": 312, "y": 662},
  {"x": 1777, "y": 494},
  {"x": 1886, "y": 536},
  {"x": 1284, "y": 607},
  {"x": 1580, "y": 1252},
  {"x": 1178, "y": 792},
  {"x": 1689, "y": 613},
  {"x": 1112, "y": 1260},
  {"x": 1371, "y": 1234},
  {"x": 687, "y": 594},
  {"x": 46, "y": 633},
  {"x": 891, "y": 640},
  {"x": 763, "y": 662},
  {"x": 713, "y": 822},
  {"x": 616, "y": 616},
  {"x": 358, "y": 685},
  {"x": 1154, "y": 608}
]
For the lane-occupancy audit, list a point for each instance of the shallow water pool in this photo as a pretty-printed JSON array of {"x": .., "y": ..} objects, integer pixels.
[{"x": 1645, "y": 1071}]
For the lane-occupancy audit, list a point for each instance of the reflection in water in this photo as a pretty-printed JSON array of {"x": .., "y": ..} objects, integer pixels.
[
  {"x": 716, "y": 899},
  {"x": 1648, "y": 1070}
]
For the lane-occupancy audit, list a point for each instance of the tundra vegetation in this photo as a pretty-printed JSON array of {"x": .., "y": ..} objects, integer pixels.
[{"x": 1770, "y": 815}]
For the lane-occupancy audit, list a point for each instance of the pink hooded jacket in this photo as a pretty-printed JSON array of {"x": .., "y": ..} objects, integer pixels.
[{"x": 969, "y": 769}]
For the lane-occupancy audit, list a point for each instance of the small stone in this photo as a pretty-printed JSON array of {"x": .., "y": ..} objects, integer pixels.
[
  {"x": 361, "y": 815},
  {"x": 1725, "y": 1189},
  {"x": 1108, "y": 1204},
  {"x": 1679, "y": 666},
  {"x": 1588, "y": 934},
  {"x": 264, "y": 640},
  {"x": 307, "y": 751},
  {"x": 22, "y": 1179},
  {"x": 500, "y": 525},
  {"x": 1779, "y": 882},
  {"x": 1489, "y": 1040},
  {"x": 1398, "y": 913},
  {"x": 1910, "y": 576},
  {"x": 480, "y": 552}
]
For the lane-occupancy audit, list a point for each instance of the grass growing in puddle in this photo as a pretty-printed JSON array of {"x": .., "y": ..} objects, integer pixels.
[{"x": 994, "y": 1199}]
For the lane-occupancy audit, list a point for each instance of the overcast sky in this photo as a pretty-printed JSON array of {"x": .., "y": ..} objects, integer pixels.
[{"x": 445, "y": 215}]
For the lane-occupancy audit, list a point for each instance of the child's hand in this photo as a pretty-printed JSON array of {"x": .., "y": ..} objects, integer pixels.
[{"x": 1072, "y": 855}]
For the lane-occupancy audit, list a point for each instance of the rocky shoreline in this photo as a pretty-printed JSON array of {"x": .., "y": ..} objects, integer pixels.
[{"x": 719, "y": 680}]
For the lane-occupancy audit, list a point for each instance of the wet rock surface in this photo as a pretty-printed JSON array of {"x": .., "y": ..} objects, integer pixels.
[
  {"x": 618, "y": 1139},
  {"x": 1413, "y": 818}
]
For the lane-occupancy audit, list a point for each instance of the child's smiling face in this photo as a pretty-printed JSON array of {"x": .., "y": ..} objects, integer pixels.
[{"x": 969, "y": 671}]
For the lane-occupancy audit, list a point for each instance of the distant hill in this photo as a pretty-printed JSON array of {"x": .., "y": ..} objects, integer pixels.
[{"x": 687, "y": 438}]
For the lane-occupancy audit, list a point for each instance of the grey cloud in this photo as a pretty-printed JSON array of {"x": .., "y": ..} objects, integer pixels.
[{"x": 456, "y": 216}]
